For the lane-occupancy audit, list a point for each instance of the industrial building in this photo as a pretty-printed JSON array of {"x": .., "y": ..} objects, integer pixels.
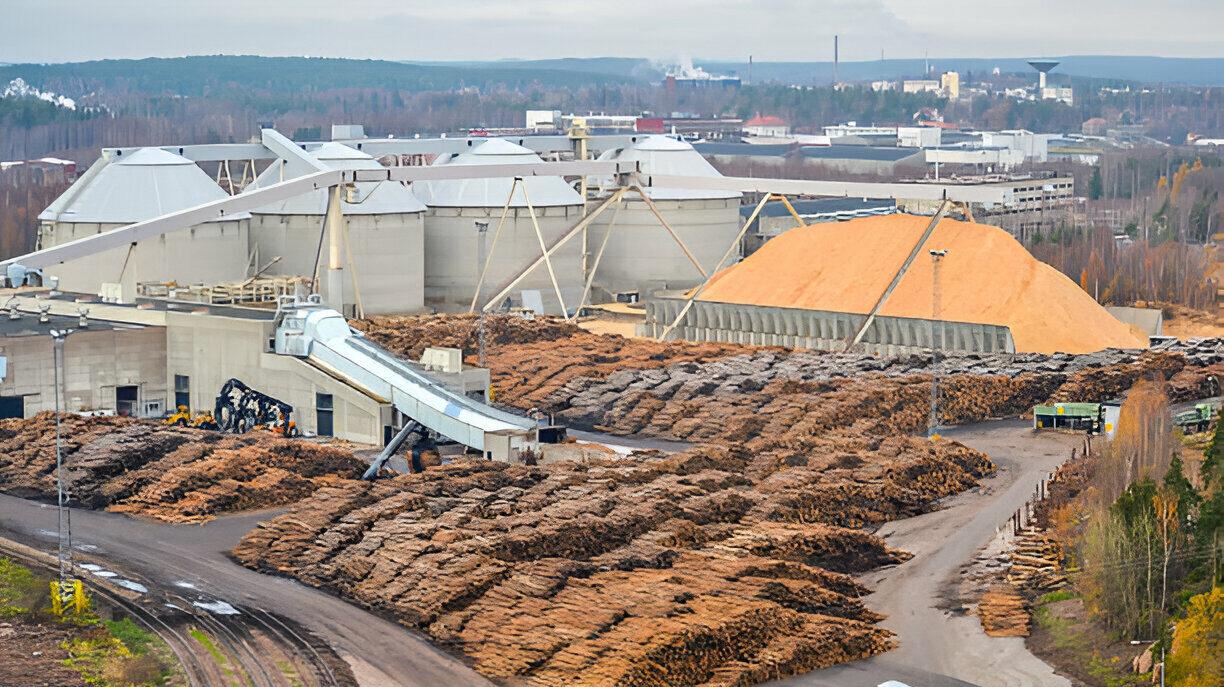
[
  {"x": 385, "y": 225},
  {"x": 145, "y": 184},
  {"x": 873, "y": 160},
  {"x": 775, "y": 218},
  {"x": 502, "y": 222},
  {"x": 327, "y": 217},
  {"x": 639, "y": 254}
]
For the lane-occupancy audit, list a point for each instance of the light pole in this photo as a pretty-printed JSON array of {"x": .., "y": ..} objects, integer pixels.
[
  {"x": 933, "y": 422},
  {"x": 67, "y": 572},
  {"x": 482, "y": 231}
]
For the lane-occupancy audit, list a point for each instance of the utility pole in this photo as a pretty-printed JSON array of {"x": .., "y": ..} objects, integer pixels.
[{"x": 933, "y": 422}]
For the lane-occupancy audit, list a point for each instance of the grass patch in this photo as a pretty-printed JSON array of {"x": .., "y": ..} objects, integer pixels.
[
  {"x": 1056, "y": 596},
  {"x": 134, "y": 637},
  {"x": 21, "y": 591}
]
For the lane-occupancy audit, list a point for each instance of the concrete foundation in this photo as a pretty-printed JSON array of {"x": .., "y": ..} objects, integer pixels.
[{"x": 818, "y": 329}]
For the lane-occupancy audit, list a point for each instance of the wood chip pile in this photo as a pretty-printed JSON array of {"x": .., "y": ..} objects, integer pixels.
[
  {"x": 1004, "y": 612},
  {"x": 169, "y": 473}
]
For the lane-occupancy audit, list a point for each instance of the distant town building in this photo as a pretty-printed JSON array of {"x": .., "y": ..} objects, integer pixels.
[
  {"x": 543, "y": 120},
  {"x": 920, "y": 86},
  {"x": 918, "y": 136},
  {"x": 1062, "y": 94},
  {"x": 767, "y": 126},
  {"x": 1039, "y": 202},
  {"x": 853, "y": 129},
  {"x": 949, "y": 84},
  {"x": 1095, "y": 126}
]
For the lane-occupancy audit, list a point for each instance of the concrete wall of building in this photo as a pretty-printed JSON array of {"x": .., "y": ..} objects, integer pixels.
[
  {"x": 818, "y": 329},
  {"x": 211, "y": 350},
  {"x": 208, "y": 253},
  {"x": 95, "y": 362},
  {"x": 453, "y": 255},
  {"x": 641, "y": 255},
  {"x": 388, "y": 252}
]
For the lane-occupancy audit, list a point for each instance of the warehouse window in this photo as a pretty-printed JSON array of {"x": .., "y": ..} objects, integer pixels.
[
  {"x": 182, "y": 391},
  {"x": 323, "y": 415}
]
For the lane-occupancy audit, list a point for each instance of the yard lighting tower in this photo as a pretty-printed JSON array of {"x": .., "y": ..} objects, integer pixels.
[
  {"x": 936, "y": 342},
  {"x": 482, "y": 229},
  {"x": 69, "y": 589}
]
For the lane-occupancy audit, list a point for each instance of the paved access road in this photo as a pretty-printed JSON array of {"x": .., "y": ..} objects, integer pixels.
[
  {"x": 937, "y": 647},
  {"x": 177, "y": 557}
]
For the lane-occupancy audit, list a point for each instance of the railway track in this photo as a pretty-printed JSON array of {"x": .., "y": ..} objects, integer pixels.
[{"x": 245, "y": 645}]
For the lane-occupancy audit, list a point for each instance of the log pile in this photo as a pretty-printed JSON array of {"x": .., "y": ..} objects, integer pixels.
[
  {"x": 408, "y": 336},
  {"x": 1036, "y": 562},
  {"x": 169, "y": 473},
  {"x": 717, "y": 565},
  {"x": 1004, "y": 612}
]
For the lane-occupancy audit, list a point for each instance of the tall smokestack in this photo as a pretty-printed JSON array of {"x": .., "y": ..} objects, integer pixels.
[{"x": 834, "y": 58}]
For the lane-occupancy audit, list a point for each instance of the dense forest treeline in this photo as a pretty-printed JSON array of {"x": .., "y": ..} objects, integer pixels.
[{"x": 224, "y": 99}]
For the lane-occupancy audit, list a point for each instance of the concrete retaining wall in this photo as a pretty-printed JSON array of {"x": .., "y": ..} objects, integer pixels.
[{"x": 818, "y": 329}]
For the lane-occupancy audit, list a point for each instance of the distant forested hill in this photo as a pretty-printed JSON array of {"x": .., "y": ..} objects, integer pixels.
[{"x": 195, "y": 76}]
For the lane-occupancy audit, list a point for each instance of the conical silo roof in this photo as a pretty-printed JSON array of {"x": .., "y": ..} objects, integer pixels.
[
  {"x": 142, "y": 185},
  {"x": 374, "y": 197},
  {"x": 665, "y": 155},
  {"x": 492, "y": 192}
]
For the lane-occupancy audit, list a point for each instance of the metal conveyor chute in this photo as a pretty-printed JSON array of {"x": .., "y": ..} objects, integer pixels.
[{"x": 323, "y": 337}]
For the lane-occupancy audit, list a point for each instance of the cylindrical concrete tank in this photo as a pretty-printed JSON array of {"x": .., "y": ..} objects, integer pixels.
[
  {"x": 455, "y": 246},
  {"x": 641, "y": 255},
  {"x": 385, "y": 234},
  {"x": 139, "y": 186}
]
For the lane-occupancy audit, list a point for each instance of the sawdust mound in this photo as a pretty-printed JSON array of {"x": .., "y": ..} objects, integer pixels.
[
  {"x": 987, "y": 277},
  {"x": 169, "y": 473}
]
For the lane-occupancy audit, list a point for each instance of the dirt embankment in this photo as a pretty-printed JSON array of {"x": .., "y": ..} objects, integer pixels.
[
  {"x": 169, "y": 473},
  {"x": 714, "y": 566}
]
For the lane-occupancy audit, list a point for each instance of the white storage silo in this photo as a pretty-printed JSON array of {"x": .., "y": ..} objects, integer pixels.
[
  {"x": 453, "y": 243},
  {"x": 385, "y": 234},
  {"x": 142, "y": 185},
  {"x": 641, "y": 255}
]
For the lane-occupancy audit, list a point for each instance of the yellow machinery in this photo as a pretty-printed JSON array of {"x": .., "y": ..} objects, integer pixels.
[{"x": 182, "y": 418}]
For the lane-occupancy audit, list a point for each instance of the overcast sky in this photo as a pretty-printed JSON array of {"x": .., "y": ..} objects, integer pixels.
[{"x": 71, "y": 30}]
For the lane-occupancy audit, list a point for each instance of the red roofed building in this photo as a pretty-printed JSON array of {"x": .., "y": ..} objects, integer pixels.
[{"x": 767, "y": 125}]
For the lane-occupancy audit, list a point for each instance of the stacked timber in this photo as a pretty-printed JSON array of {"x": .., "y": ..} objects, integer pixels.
[
  {"x": 1004, "y": 612},
  {"x": 174, "y": 474},
  {"x": 1036, "y": 562}
]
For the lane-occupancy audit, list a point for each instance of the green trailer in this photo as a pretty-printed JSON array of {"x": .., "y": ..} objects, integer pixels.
[
  {"x": 1093, "y": 418},
  {"x": 1197, "y": 419}
]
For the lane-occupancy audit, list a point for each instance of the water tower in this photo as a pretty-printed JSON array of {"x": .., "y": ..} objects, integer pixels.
[{"x": 1043, "y": 67}]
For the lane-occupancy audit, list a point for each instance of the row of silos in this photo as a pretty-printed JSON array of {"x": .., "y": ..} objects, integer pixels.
[{"x": 409, "y": 247}]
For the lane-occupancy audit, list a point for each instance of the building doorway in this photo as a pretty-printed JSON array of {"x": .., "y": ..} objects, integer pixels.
[
  {"x": 12, "y": 406},
  {"x": 127, "y": 399}
]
